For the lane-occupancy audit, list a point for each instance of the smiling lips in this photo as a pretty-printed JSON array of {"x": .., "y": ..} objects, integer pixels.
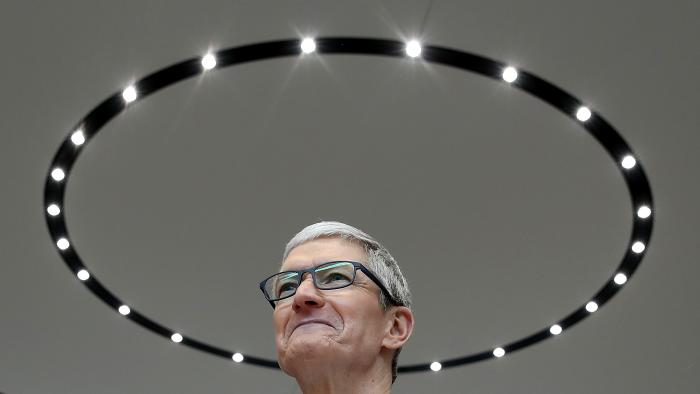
[{"x": 304, "y": 322}]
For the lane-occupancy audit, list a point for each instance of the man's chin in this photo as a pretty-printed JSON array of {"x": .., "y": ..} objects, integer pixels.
[
  {"x": 305, "y": 347},
  {"x": 307, "y": 356},
  {"x": 310, "y": 343}
]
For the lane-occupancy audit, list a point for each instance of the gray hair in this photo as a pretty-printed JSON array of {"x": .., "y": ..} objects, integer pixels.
[{"x": 380, "y": 262}]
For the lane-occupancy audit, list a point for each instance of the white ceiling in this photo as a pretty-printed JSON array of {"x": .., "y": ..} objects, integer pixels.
[{"x": 504, "y": 214}]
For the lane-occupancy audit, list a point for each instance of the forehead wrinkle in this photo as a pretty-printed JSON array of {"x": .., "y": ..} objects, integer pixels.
[{"x": 324, "y": 249}]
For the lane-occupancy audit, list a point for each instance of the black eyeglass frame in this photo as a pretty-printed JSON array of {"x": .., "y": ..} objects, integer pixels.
[{"x": 312, "y": 272}]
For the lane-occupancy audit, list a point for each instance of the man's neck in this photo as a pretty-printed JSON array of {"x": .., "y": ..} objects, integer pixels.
[{"x": 375, "y": 381}]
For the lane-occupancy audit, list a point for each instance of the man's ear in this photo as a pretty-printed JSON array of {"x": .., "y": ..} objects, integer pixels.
[{"x": 399, "y": 327}]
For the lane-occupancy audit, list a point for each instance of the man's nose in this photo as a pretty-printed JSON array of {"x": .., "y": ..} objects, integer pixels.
[{"x": 307, "y": 295}]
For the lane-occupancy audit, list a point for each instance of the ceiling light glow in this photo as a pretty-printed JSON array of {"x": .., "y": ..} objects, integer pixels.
[
  {"x": 78, "y": 137},
  {"x": 53, "y": 210},
  {"x": 124, "y": 310},
  {"x": 83, "y": 275},
  {"x": 620, "y": 279},
  {"x": 583, "y": 114},
  {"x": 510, "y": 74},
  {"x": 308, "y": 45},
  {"x": 57, "y": 174},
  {"x": 208, "y": 61},
  {"x": 644, "y": 212},
  {"x": 499, "y": 352},
  {"x": 628, "y": 162},
  {"x": 129, "y": 94},
  {"x": 435, "y": 366},
  {"x": 591, "y": 307},
  {"x": 177, "y": 338},
  {"x": 63, "y": 244},
  {"x": 237, "y": 357},
  {"x": 413, "y": 48},
  {"x": 555, "y": 329},
  {"x": 638, "y": 247}
]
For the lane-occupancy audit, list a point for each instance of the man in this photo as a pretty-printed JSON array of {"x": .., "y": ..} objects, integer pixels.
[{"x": 339, "y": 325}]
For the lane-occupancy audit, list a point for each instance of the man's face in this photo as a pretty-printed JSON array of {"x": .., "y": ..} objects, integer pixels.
[{"x": 351, "y": 323}]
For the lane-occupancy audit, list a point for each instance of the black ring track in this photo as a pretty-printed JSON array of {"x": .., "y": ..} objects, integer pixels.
[{"x": 599, "y": 128}]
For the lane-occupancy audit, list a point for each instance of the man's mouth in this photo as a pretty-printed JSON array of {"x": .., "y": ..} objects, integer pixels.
[{"x": 312, "y": 322}]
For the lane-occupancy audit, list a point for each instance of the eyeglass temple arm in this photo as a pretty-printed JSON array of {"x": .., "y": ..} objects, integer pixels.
[{"x": 381, "y": 285}]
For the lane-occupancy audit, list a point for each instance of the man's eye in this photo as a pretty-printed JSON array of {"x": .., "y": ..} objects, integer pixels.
[
  {"x": 337, "y": 277},
  {"x": 285, "y": 288}
]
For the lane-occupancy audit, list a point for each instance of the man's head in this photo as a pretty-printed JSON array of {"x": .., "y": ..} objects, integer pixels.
[{"x": 358, "y": 326}]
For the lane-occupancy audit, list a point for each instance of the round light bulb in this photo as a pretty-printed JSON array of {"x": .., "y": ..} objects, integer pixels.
[
  {"x": 638, "y": 247},
  {"x": 555, "y": 329},
  {"x": 644, "y": 212},
  {"x": 57, "y": 174},
  {"x": 620, "y": 279},
  {"x": 237, "y": 357},
  {"x": 435, "y": 366},
  {"x": 124, "y": 310},
  {"x": 583, "y": 114},
  {"x": 63, "y": 244},
  {"x": 628, "y": 162},
  {"x": 83, "y": 275},
  {"x": 510, "y": 74},
  {"x": 53, "y": 210},
  {"x": 591, "y": 307},
  {"x": 413, "y": 49},
  {"x": 129, "y": 94},
  {"x": 177, "y": 338},
  {"x": 499, "y": 352},
  {"x": 208, "y": 61},
  {"x": 78, "y": 137},
  {"x": 308, "y": 45}
]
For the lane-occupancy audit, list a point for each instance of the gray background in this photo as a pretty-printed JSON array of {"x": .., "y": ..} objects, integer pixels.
[{"x": 504, "y": 214}]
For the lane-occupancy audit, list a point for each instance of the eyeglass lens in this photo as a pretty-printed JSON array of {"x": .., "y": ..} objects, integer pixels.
[{"x": 328, "y": 276}]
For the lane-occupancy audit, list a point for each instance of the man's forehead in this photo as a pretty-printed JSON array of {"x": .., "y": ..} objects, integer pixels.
[
  {"x": 301, "y": 264},
  {"x": 318, "y": 251}
]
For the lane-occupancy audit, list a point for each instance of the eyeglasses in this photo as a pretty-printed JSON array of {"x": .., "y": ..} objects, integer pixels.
[{"x": 327, "y": 276}]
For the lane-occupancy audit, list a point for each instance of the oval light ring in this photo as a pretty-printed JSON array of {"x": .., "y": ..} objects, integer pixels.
[{"x": 613, "y": 143}]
